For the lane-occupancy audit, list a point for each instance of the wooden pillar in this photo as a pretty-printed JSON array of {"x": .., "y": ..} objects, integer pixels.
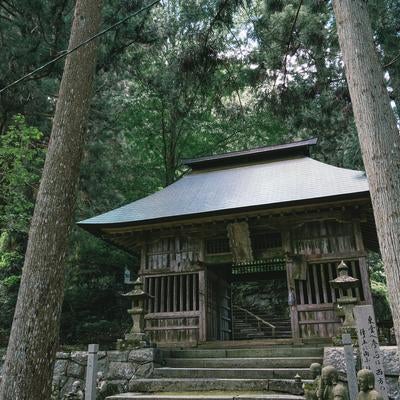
[
  {"x": 202, "y": 306},
  {"x": 294, "y": 314},
  {"x": 362, "y": 262},
  {"x": 143, "y": 257},
  {"x": 365, "y": 279}
]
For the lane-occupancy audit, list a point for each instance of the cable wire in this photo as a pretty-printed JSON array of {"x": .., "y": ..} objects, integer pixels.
[{"x": 66, "y": 52}]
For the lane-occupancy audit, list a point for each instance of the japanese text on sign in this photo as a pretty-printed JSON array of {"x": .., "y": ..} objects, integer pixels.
[{"x": 371, "y": 356}]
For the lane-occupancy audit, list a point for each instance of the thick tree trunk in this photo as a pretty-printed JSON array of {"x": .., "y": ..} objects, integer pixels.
[
  {"x": 28, "y": 368},
  {"x": 378, "y": 134}
]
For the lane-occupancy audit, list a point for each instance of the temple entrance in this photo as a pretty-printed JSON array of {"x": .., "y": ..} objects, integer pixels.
[
  {"x": 260, "y": 309},
  {"x": 247, "y": 302}
]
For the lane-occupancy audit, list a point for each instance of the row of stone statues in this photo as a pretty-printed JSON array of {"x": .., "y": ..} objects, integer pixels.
[
  {"x": 77, "y": 392},
  {"x": 326, "y": 385}
]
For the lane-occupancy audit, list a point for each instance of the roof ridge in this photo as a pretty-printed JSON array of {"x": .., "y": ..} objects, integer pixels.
[{"x": 258, "y": 153}]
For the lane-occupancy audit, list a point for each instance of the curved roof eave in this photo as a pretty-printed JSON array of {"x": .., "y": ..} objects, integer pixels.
[
  {"x": 97, "y": 228},
  {"x": 270, "y": 184}
]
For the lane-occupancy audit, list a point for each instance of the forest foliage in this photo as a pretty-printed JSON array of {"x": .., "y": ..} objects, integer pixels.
[{"x": 187, "y": 78}]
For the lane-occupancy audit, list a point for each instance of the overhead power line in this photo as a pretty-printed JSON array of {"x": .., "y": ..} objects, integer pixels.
[{"x": 69, "y": 51}]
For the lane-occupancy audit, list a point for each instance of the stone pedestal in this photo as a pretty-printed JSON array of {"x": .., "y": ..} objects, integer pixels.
[
  {"x": 133, "y": 341},
  {"x": 346, "y": 303}
]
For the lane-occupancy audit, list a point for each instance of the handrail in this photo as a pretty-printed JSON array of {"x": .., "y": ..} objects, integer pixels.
[{"x": 259, "y": 319}]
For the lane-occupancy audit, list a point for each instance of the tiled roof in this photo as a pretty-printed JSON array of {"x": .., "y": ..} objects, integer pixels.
[{"x": 261, "y": 184}]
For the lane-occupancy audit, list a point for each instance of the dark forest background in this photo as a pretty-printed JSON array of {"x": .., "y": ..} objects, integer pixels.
[{"x": 186, "y": 79}]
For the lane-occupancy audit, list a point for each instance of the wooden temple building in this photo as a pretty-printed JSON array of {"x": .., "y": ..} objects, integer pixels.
[{"x": 254, "y": 215}]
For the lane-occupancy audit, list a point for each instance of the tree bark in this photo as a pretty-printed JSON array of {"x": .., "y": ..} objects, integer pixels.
[
  {"x": 28, "y": 368},
  {"x": 378, "y": 134}
]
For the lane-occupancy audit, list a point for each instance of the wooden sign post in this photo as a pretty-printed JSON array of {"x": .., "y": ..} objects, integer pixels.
[{"x": 371, "y": 356}]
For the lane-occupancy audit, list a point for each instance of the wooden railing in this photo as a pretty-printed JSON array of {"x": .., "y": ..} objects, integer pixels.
[{"x": 259, "y": 320}]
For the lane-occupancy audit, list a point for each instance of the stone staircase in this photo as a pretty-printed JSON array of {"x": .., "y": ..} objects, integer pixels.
[
  {"x": 228, "y": 373},
  {"x": 246, "y": 327}
]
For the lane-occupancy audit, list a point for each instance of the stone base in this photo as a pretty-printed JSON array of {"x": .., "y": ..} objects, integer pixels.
[
  {"x": 123, "y": 344},
  {"x": 352, "y": 331},
  {"x": 133, "y": 341}
]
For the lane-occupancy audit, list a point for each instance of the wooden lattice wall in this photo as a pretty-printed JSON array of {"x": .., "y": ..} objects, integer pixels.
[{"x": 319, "y": 247}]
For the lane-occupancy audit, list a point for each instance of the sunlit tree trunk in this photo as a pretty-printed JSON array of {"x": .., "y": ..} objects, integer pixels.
[
  {"x": 27, "y": 372},
  {"x": 378, "y": 134}
]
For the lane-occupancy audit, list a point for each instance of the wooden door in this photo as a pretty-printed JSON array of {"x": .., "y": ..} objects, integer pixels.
[
  {"x": 225, "y": 312},
  {"x": 218, "y": 307}
]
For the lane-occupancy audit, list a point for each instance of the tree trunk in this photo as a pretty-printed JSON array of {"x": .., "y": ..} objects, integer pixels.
[
  {"x": 27, "y": 372},
  {"x": 378, "y": 134}
]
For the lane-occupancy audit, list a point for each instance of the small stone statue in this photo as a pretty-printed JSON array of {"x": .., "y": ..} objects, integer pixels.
[
  {"x": 366, "y": 384},
  {"x": 331, "y": 388},
  {"x": 76, "y": 392},
  {"x": 104, "y": 388},
  {"x": 101, "y": 386},
  {"x": 55, "y": 392},
  {"x": 311, "y": 389}
]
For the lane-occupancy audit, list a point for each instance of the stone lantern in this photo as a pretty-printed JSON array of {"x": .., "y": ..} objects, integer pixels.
[
  {"x": 347, "y": 301},
  {"x": 136, "y": 337}
]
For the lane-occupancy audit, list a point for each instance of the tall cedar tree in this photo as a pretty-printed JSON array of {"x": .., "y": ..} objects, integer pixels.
[
  {"x": 378, "y": 135},
  {"x": 27, "y": 372}
]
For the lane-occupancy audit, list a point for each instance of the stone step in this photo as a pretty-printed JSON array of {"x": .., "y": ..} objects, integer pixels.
[
  {"x": 245, "y": 373},
  {"x": 248, "y": 330},
  {"x": 189, "y": 385},
  {"x": 266, "y": 331},
  {"x": 265, "y": 317},
  {"x": 277, "y": 351},
  {"x": 263, "y": 343},
  {"x": 259, "y": 312},
  {"x": 261, "y": 335},
  {"x": 248, "y": 322},
  {"x": 261, "y": 328},
  {"x": 245, "y": 326},
  {"x": 248, "y": 362},
  {"x": 253, "y": 321},
  {"x": 239, "y": 327},
  {"x": 276, "y": 323},
  {"x": 256, "y": 335},
  {"x": 271, "y": 321},
  {"x": 264, "y": 328},
  {"x": 250, "y": 319},
  {"x": 211, "y": 395}
]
